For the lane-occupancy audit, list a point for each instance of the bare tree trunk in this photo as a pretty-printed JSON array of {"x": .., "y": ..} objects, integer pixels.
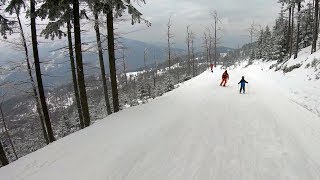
[
  {"x": 145, "y": 59},
  {"x": 7, "y": 132},
  {"x": 80, "y": 73},
  {"x": 188, "y": 45},
  {"x": 210, "y": 47},
  {"x": 193, "y": 64},
  {"x": 316, "y": 26},
  {"x": 38, "y": 72},
  {"x": 291, "y": 35},
  {"x": 206, "y": 44},
  {"x": 112, "y": 60},
  {"x": 124, "y": 67},
  {"x": 216, "y": 19},
  {"x": 298, "y": 31},
  {"x": 74, "y": 75},
  {"x": 169, "y": 37},
  {"x": 155, "y": 74},
  {"x": 101, "y": 61},
  {"x": 34, "y": 88},
  {"x": 215, "y": 40},
  {"x": 3, "y": 158},
  {"x": 289, "y": 30},
  {"x": 252, "y": 31}
]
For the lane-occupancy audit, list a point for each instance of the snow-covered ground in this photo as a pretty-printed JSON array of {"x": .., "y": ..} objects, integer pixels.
[
  {"x": 301, "y": 85},
  {"x": 198, "y": 131}
]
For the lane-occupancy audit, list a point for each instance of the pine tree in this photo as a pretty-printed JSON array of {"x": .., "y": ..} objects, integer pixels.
[
  {"x": 260, "y": 46},
  {"x": 96, "y": 11},
  {"x": 298, "y": 28},
  {"x": 15, "y": 7},
  {"x": 80, "y": 73},
  {"x": 307, "y": 26},
  {"x": 279, "y": 39},
  {"x": 5, "y": 24},
  {"x": 118, "y": 7},
  {"x": 60, "y": 14},
  {"x": 267, "y": 44},
  {"x": 38, "y": 72},
  {"x": 316, "y": 27}
]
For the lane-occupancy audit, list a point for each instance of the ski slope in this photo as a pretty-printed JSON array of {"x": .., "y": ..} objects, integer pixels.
[{"x": 198, "y": 131}]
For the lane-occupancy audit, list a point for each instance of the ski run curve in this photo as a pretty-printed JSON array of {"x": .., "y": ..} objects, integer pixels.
[{"x": 198, "y": 131}]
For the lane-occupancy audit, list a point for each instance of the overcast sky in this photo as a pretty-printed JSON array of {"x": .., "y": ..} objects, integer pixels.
[{"x": 236, "y": 16}]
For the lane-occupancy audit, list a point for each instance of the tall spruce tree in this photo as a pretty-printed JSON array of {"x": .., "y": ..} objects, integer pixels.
[
  {"x": 279, "y": 32},
  {"x": 298, "y": 2},
  {"x": 316, "y": 27},
  {"x": 15, "y": 7},
  {"x": 79, "y": 60},
  {"x": 96, "y": 8},
  {"x": 307, "y": 25},
  {"x": 115, "y": 9},
  {"x": 41, "y": 92}
]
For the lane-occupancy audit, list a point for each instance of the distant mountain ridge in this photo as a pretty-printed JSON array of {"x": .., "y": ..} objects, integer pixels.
[{"x": 56, "y": 65}]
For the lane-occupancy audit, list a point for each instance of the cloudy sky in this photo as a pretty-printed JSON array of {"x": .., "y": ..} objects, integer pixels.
[{"x": 236, "y": 16}]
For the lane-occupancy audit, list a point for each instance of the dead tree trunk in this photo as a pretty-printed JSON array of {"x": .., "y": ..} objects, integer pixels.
[
  {"x": 155, "y": 73},
  {"x": 206, "y": 45},
  {"x": 215, "y": 40},
  {"x": 193, "y": 59},
  {"x": 210, "y": 47},
  {"x": 188, "y": 45},
  {"x": 145, "y": 59},
  {"x": 169, "y": 37},
  {"x": 124, "y": 67}
]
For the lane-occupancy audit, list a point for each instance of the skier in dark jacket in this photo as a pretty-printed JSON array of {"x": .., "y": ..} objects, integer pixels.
[{"x": 243, "y": 85}]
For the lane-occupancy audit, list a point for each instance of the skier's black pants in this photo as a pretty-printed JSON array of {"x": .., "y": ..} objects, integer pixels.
[{"x": 242, "y": 88}]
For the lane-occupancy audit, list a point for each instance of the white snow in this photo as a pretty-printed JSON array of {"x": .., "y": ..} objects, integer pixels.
[
  {"x": 300, "y": 85},
  {"x": 198, "y": 131}
]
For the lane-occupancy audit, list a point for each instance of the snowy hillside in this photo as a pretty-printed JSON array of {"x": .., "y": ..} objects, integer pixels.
[
  {"x": 198, "y": 131},
  {"x": 298, "y": 78}
]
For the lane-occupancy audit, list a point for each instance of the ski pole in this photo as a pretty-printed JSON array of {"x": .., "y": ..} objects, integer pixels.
[{"x": 238, "y": 88}]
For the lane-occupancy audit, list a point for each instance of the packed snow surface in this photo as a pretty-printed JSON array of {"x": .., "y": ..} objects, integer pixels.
[{"x": 198, "y": 131}]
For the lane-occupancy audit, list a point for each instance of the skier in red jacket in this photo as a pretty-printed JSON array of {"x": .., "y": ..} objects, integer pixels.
[
  {"x": 211, "y": 66},
  {"x": 225, "y": 78}
]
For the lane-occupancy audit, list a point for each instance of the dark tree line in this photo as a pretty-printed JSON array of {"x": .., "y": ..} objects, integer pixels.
[{"x": 295, "y": 28}]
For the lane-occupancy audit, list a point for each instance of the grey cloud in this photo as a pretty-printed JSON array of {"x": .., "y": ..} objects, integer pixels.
[{"x": 236, "y": 17}]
